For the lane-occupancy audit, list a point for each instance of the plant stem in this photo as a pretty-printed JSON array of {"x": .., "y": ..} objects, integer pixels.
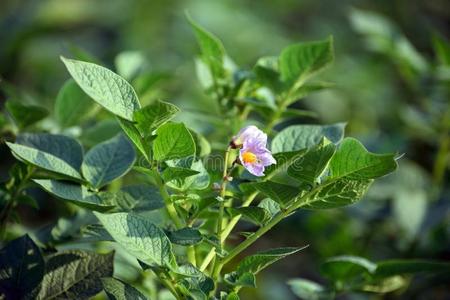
[
  {"x": 191, "y": 255},
  {"x": 223, "y": 189},
  {"x": 261, "y": 231},
  {"x": 171, "y": 210}
]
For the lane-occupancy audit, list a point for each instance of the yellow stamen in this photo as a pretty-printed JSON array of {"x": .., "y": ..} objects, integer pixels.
[{"x": 248, "y": 157}]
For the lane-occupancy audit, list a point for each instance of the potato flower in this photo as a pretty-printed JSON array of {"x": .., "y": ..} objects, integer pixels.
[{"x": 253, "y": 153}]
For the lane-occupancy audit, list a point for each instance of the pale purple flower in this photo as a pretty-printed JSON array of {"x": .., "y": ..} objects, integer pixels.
[{"x": 254, "y": 154}]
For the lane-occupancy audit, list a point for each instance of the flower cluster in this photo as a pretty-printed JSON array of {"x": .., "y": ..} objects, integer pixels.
[{"x": 253, "y": 153}]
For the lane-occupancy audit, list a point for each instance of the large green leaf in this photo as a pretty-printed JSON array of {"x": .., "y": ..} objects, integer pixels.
[
  {"x": 104, "y": 86},
  {"x": 56, "y": 153},
  {"x": 154, "y": 115},
  {"x": 213, "y": 52},
  {"x": 76, "y": 194},
  {"x": 279, "y": 192},
  {"x": 75, "y": 274},
  {"x": 72, "y": 105},
  {"x": 139, "y": 237},
  {"x": 21, "y": 269},
  {"x": 300, "y": 61},
  {"x": 173, "y": 141},
  {"x": 118, "y": 290},
  {"x": 309, "y": 167},
  {"x": 354, "y": 161},
  {"x": 299, "y": 137},
  {"x": 108, "y": 161},
  {"x": 25, "y": 115},
  {"x": 337, "y": 193},
  {"x": 261, "y": 260}
]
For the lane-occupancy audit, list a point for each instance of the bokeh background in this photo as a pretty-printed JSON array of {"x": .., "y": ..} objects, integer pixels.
[{"x": 390, "y": 85}]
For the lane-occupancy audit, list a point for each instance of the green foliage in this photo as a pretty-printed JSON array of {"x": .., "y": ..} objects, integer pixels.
[
  {"x": 154, "y": 115},
  {"x": 104, "y": 86},
  {"x": 77, "y": 194},
  {"x": 139, "y": 237},
  {"x": 352, "y": 160},
  {"x": 299, "y": 62},
  {"x": 298, "y": 137},
  {"x": 118, "y": 290},
  {"x": 182, "y": 202},
  {"x": 25, "y": 115},
  {"x": 56, "y": 153},
  {"x": 108, "y": 161},
  {"x": 185, "y": 236},
  {"x": 72, "y": 105},
  {"x": 75, "y": 274},
  {"x": 309, "y": 290},
  {"x": 173, "y": 141}
]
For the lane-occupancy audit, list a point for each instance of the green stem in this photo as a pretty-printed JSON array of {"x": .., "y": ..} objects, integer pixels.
[
  {"x": 440, "y": 163},
  {"x": 191, "y": 255},
  {"x": 171, "y": 210},
  {"x": 261, "y": 231}
]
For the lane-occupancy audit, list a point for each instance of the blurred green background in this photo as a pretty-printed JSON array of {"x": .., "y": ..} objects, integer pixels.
[{"x": 391, "y": 84}]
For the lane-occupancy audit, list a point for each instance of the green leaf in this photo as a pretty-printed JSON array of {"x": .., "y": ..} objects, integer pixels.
[
  {"x": 56, "y": 153},
  {"x": 176, "y": 173},
  {"x": 261, "y": 260},
  {"x": 309, "y": 290},
  {"x": 309, "y": 167},
  {"x": 279, "y": 192},
  {"x": 393, "y": 267},
  {"x": 245, "y": 280},
  {"x": 254, "y": 214},
  {"x": 104, "y": 86},
  {"x": 195, "y": 279},
  {"x": 185, "y": 236},
  {"x": 135, "y": 136},
  {"x": 199, "y": 181},
  {"x": 108, "y": 161},
  {"x": 74, "y": 193},
  {"x": 271, "y": 206},
  {"x": 75, "y": 274},
  {"x": 298, "y": 137},
  {"x": 118, "y": 290},
  {"x": 300, "y": 61},
  {"x": 347, "y": 267},
  {"x": 72, "y": 105},
  {"x": 25, "y": 115},
  {"x": 352, "y": 160},
  {"x": 137, "y": 198},
  {"x": 284, "y": 160},
  {"x": 130, "y": 63},
  {"x": 213, "y": 52},
  {"x": 21, "y": 269},
  {"x": 173, "y": 141},
  {"x": 337, "y": 193},
  {"x": 140, "y": 237},
  {"x": 266, "y": 71},
  {"x": 154, "y": 115}
]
